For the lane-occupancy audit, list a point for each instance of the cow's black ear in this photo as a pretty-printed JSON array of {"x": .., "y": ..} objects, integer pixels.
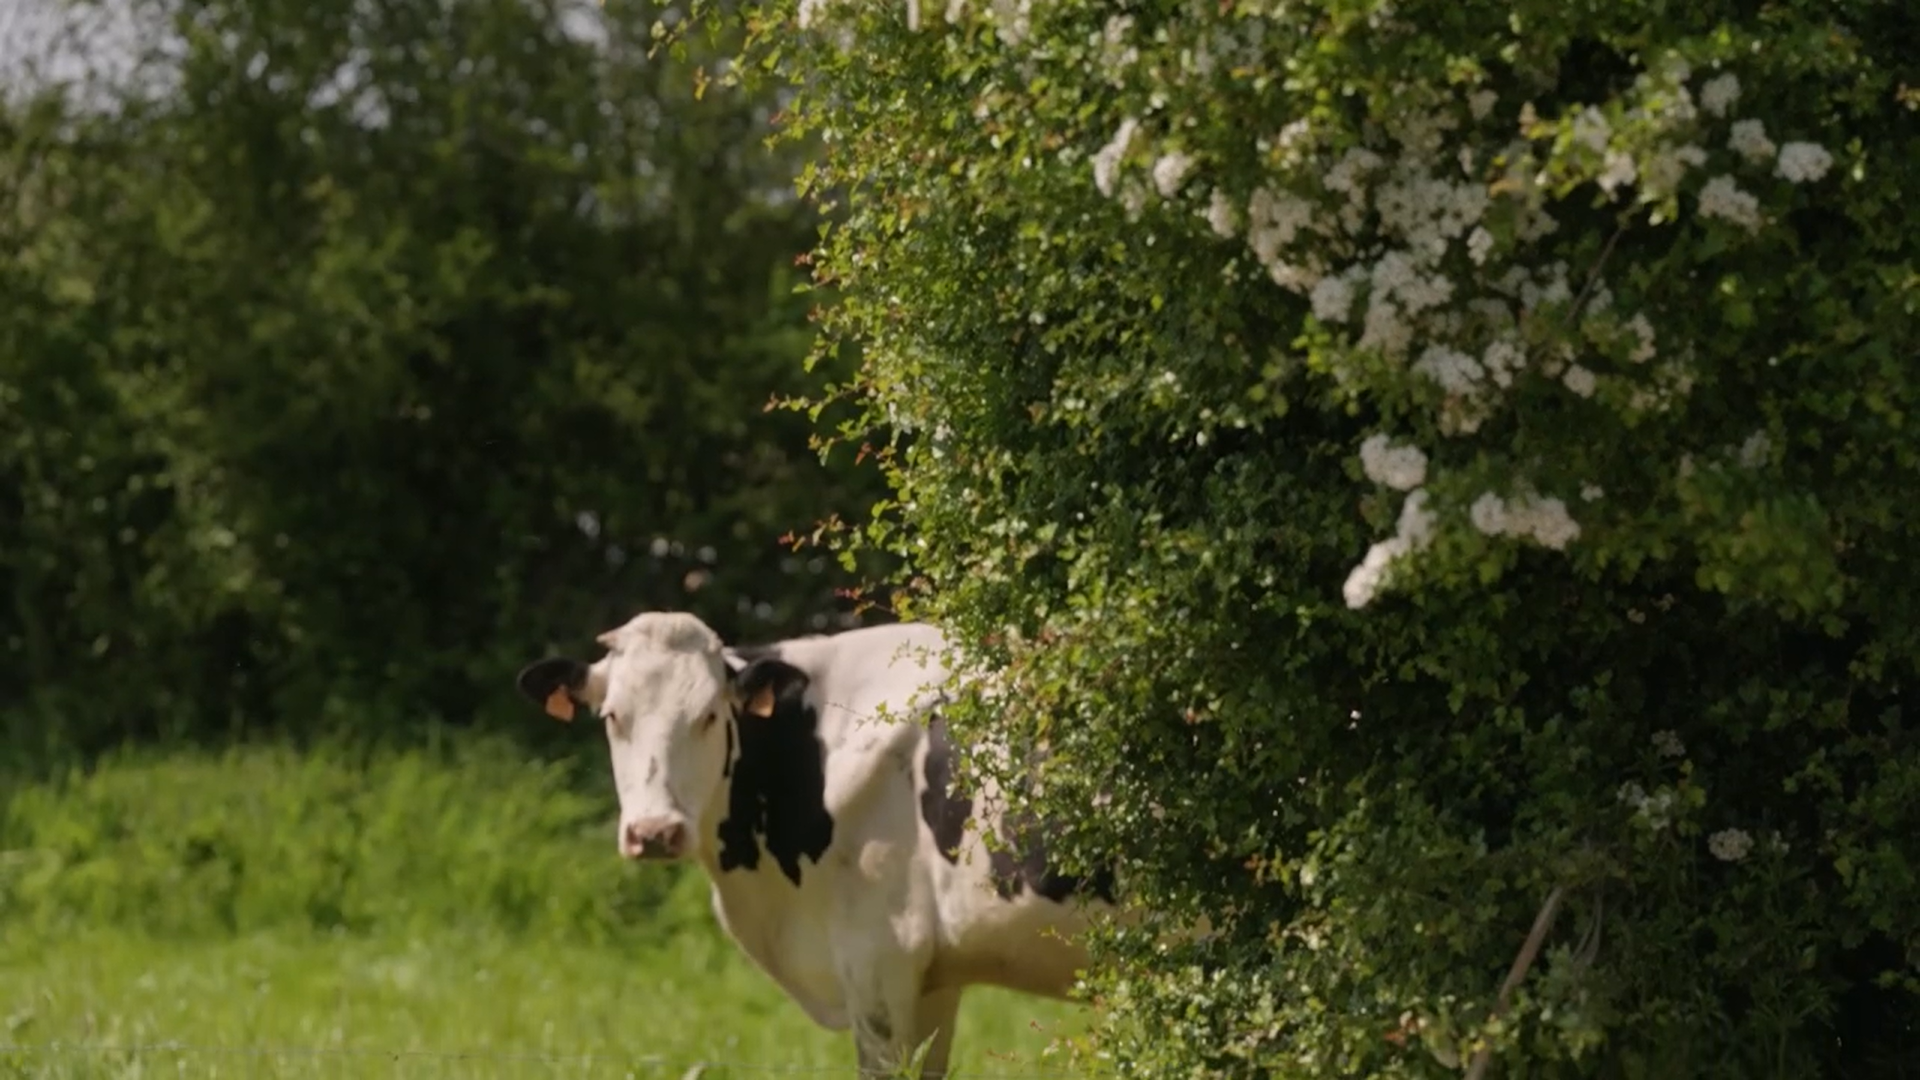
[
  {"x": 767, "y": 681},
  {"x": 553, "y": 683}
]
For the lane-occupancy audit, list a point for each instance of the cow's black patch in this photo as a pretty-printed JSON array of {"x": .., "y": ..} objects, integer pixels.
[
  {"x": 944, "y": 808},
  {"x": 778, "y": 796},
  {"x": 1021, "y": 862}
]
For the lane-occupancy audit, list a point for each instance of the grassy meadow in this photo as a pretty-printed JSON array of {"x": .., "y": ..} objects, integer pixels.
[{"x": 266, "y": 913}]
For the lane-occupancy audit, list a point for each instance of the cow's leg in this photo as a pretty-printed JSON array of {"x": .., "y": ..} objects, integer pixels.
[
  {"x": 934, "y": 1019},
  {"x": 881, "y": 995}
]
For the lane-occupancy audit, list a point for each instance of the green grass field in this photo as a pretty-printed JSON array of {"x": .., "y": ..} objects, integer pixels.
[{"x": 268, "y": 914}]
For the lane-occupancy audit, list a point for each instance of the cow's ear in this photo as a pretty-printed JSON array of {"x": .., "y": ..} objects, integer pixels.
[
  {"x": 556, "y": 684},
  {"x": 766, "y": 682}
]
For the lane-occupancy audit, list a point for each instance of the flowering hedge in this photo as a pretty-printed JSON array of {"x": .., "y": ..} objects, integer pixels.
[{"x": 1436, "y": 474}]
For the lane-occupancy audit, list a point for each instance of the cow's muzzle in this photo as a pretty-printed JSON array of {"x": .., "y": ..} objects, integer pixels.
[{"x": 653, "y": 838}]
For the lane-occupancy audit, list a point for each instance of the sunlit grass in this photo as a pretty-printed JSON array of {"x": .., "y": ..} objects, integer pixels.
[{"x": 267, "y": 914}]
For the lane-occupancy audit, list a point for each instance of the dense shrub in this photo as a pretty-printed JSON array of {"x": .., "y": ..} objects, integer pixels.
[{"x": 1426, "y": 469}]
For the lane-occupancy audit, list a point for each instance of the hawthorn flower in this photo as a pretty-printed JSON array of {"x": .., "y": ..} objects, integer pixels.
[
  {"x": 1106, "y": 161},
  {"x": 1222, "y": 217},
  {"x": 1479, "y": 244},
  {"x": 1668, "y": 743},
  {"x": 1722, "y": 198},
  {"x": 1545, "y": 520},
  {"x": 1749, "y": 140},
  {"x": 1643, "y": 330},
  {"x": 1803, "y": 162},
  {"x": 1579, "y": 380},
  {"x": 1169, "y": 172},
  {"x": 1402, "y": 468},
  {"x": 1730, "y": 845},
  {"x": 1413, "y": 532},
  {"x": 1719, "y": 93},
  {"x": 1332, "y": 298}
]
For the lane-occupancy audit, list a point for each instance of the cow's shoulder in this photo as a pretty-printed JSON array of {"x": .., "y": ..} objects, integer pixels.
[{"x": 777, "y": 805}]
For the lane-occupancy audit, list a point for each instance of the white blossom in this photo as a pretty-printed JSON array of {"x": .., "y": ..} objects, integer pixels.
[
  {"x": 1222, "y": 217},
  {"x": 1479, "y": 244},
  {"x": 1719, "y": 93},
  {"x": 1014, "y": 26},
  {"x": 1413, "y": 532},
  {"x": 1749, "y": 140},
  {"x": 1579, "y": 380},
  {"x": 1753, "y": 452},
  {"x": 1591, "y": 492},
  {"x": 1591, "y": 130},
  {"x": 1106, "y": 161},
  {"x": 1730, "y": 845},
  {"x": 1115, "y": 53},
  {"x": 1502, "y": 360},
  {"x": 810, "y": 11},
  {"x": 1332, "y": 299},
  {"x": 1668, "y": 743},
  {"x": 1545, "y": 520},
  {"x": 1643, "y": 330},
  {"x": 1273, "y": 219},
  {"x": 1384, "y": 329},
  {"x": 1803, "y": 162},
  {"x": 1722, "y": 198},
  {"x": 1661, "y": 172},
  {"x": 1481, "y": 103},
  {"x": 1169, "y": 172},
  {"x": 1344, "y": 177},
  {"x": 1292, "y": 276},
  {"x": 1402, "y": 468},
  {"x": 1617, "y": 169},
  {"x": 1292, "y": 139},
  {"x": 1455, "y": 371}
]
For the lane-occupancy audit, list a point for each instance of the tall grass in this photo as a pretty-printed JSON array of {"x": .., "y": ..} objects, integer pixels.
[
  {"x": 448, "y": 912},
  {"x": 259, "y": 838}
]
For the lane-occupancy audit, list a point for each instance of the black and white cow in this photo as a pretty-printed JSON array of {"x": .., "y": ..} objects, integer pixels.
[{"x": 842, "y": 859}]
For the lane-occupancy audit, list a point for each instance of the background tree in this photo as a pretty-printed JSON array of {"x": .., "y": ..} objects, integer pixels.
[
  {"x": 1434, "y": 470},
  {"x": 347, "y": 351}
]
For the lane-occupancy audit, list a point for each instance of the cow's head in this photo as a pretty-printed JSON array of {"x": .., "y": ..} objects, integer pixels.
[{"x": 671, "y": 700}]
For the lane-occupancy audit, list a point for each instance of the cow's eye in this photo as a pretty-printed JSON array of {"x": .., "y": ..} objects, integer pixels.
[{"x": 707, "y": 720}]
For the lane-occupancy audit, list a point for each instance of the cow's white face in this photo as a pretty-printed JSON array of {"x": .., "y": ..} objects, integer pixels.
[{"x": 666, "y": 697}]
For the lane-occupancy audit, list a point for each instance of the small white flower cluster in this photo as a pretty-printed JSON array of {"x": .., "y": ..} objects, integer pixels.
[
  {"x": 1803, "y": 162},
  {"x": 1413, "y": 532},
  {"x": 1722, "y": 198},
  {"x": 1654, "y": 811},
  {"x": 1106, "y": 160},
  {"x": 1545, "y": 520},
  {"x": 1668, "y": 743},
  {"x": 1402, "y": 468},
  {"x": 1730, "y": 845}
]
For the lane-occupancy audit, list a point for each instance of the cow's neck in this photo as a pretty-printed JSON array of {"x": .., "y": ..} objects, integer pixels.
[{"x": 769, "y": 813}]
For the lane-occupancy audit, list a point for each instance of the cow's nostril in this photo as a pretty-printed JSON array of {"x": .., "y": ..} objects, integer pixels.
[{"x": 653, "y": 838}]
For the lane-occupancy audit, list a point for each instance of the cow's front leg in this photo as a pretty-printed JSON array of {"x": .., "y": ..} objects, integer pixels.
[
  {"x": 881, "y": 994},
  {"x": 936, "y": 1015}
]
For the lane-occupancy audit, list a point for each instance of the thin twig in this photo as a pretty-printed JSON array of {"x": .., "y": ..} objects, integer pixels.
[
  {"x": 1541, "y": 924},
  {"x": 1593, "y": 276}
]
